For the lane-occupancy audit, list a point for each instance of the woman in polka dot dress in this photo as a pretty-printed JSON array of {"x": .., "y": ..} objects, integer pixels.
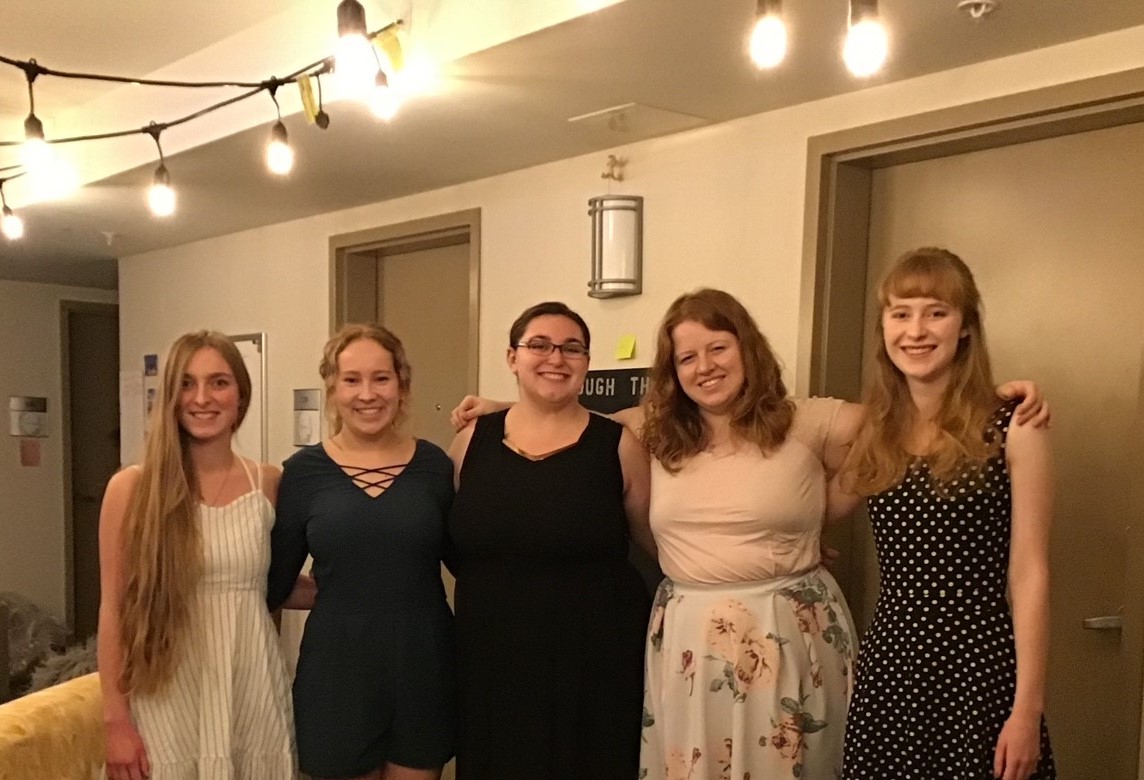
[{"x": 951, "y": 676}]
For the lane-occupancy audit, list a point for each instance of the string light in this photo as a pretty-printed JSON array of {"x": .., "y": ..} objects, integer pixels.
[
  {"x": 355, "y": 59},
  {"x": 279, "y": 155},
  {"x": 768, "y": 44},
  {"x": 10, "y": 223},
  {"x": 867, "y": 43},
  {"x": 160, "y": 195}
]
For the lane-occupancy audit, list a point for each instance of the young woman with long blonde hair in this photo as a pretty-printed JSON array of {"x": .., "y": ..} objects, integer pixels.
[
  {"x": 951, "y": 675},
  {"x": 194, "y": 683}
]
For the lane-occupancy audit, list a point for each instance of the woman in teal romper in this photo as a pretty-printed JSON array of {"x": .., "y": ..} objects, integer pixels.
[{"x": 374, "y": 693}]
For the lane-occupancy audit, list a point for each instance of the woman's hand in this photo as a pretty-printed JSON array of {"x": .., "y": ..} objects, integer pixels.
[
  {"x": 304, "y": 594},
  {"x": 126, "y": 754},
  {"x": 1034, "y": 408},
  {"x": 472, "y": 407},
  {"x": 1018, "y": 748}
]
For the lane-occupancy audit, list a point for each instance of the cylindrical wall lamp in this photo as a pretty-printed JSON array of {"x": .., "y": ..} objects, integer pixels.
[{"x": 617, "y": 246}]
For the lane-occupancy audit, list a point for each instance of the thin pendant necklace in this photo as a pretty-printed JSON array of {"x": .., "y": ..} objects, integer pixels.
[{"x": 225, "y": 479}]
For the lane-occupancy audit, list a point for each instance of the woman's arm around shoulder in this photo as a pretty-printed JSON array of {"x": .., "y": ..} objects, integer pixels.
[
  {"x": 289, "y": 545},
  {"x": 126, "y": 754},
  {"x": 458, "y": 448},
  {"x": 844, "y": 428},
  {"x": 1028, "y": 453},
  {"x": 637, "y": 490}
]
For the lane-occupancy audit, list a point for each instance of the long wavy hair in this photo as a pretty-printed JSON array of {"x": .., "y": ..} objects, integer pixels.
[
  {"x": 328, "y": 367},
  {"x": 162, "y": 548},
  {"x": 879, "y": 458},
  {"x": 762, "y": 413}
]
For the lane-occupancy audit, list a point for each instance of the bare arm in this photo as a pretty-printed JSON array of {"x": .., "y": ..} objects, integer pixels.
[
  {"x": 472, "y": 407},
  {"x": 1029, "y": 456},
  {"x": 1033, "y": 407},
  {"x": 457, "y": 449},
  {"x": 840, "y": 502},
  {"x": 637, "y": 491},
  {"x": 126, "y": 753}
]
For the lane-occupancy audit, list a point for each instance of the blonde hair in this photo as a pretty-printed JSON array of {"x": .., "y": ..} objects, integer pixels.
[
  {"x": 162, "y": 550},
  {"x": 328, "y": 367},
  {"x": 762, "y": 413},
  {"x": 879, "y": 458}
]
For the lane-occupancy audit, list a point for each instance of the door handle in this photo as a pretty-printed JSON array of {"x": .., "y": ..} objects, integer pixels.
[{"x": 1103, "y": 623}]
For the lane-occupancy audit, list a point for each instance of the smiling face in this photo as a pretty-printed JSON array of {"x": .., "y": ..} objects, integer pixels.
[
  {"x": 366, "y": 392},
  {"x": 708, "y": 365},
  {"x": 554, "y": 377},
  {"x": 921, "y": 336},
  {"x": 208, "y": 396}
]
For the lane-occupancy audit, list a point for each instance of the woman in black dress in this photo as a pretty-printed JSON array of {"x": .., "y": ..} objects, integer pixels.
[
  {"x": 550, "y": 613},
  {"x": 950, "y": 678},
  {"x": 373, "y": 697}
]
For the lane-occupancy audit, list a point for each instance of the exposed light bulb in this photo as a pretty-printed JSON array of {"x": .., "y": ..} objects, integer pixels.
[
  {"x": 355, "y": 66},
  {"x": 385, "y": 101},
  {"x": 11, "y": 225},
  {"x": 53, "y": 178},
  {"x": 161, "y": 196},
  {"x": 35, "y": 155},
  {"x": 867, "y": 45},
  {"x": 279, "y": 155},
  {"x": 768, "y": 41}
]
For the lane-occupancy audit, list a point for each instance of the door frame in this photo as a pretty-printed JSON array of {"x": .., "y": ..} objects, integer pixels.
[
  {"x": 414, "y": 235},
  {"x": 67, "y": 308},
  {"x": 840, "y": 168}
]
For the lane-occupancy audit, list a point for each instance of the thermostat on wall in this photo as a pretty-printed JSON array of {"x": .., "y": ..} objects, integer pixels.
[{"x": 27, "y": 416}]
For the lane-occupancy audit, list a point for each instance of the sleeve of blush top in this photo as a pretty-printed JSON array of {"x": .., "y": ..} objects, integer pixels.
[
  {"x": 288, "y": 543},
  {"x": 812, "y": 420}
]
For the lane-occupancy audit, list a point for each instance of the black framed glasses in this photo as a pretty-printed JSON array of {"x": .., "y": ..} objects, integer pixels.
[{"x": 543, "y": 348}]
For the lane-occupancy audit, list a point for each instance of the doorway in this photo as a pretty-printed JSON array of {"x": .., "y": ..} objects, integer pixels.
[
  {"x": 90, "y": 392},
  {"x": 1044, "y": 206}
]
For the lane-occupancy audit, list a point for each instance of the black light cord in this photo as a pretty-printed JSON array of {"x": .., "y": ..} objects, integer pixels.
[{"x": 32, "y": 69}]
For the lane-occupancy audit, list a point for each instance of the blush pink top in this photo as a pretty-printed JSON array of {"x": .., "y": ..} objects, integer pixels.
[{"x": 741, "y": 516}]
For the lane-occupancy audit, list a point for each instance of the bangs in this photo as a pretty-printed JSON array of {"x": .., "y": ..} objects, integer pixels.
[{"x": 926, "y": 276}]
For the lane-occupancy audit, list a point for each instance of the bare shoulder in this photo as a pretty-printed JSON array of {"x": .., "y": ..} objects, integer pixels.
[
  {"x": 847, "y": 422},
  {"x": 1026, "y": 441},
  {"x": 460, "y": 444},
  {"x": 122, "y": 484},
  {"x": 271, "y": 479},
  {"x": 631, "y": 446},
  {"x": 631, "y": 418}
]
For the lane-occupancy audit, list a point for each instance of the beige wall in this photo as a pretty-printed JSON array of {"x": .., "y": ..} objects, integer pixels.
[
  {"x": 32, "y": 498},
  {"x": 724, "y": 207}
]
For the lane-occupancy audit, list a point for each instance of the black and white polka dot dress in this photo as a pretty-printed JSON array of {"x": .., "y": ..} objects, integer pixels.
[{"x": 936, "y": 672}]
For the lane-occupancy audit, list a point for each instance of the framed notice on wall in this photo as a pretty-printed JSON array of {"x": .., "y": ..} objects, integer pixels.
[
  {"x": 611, "y": 390},
  {"x": 251, "y": 438}
]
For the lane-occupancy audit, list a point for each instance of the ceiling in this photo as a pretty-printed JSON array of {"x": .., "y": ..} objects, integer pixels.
[{"x": 681, "y": 62}]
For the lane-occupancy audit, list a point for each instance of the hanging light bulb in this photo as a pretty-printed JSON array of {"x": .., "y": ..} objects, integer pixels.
[
  {"x": 769, "y": 37},
  {"x": 279, "y": 155},
  {"x": 355, "y": 63},
  {"x": 385, "y": 101},
  {"x": 160, "y": 195},
  {"x": 867, "y": 42},
  {"x": 11, "y": 225},
  {"x": 35, "y": 154}
]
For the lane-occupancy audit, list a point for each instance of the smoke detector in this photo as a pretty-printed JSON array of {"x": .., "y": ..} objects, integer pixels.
[{"x": 978, "y": 9}]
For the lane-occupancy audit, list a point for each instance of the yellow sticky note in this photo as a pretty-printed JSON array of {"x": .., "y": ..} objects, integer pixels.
[{"x": 626, "y": 348}]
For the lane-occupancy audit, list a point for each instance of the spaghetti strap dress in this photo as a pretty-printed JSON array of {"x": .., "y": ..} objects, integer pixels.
[{"x": 226, "y": 713}]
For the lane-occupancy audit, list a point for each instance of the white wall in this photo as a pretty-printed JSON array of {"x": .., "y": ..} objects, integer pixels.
[
  {"x": 724, "y": 207},
  {"x": 32, "y": 498}
]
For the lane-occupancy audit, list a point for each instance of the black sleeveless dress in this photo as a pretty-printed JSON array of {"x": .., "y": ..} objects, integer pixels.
[
  {"x": 937, "y": 670},
  {"x": 551, "y": 616}
]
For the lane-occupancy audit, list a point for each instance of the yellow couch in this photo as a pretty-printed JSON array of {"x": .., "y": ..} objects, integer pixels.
[{"x": 54, "y": 734}]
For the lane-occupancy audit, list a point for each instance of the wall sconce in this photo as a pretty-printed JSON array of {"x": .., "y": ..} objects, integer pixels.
[
  {"x": 617, "y": 239},
  {"x": 617, "y": 246}
]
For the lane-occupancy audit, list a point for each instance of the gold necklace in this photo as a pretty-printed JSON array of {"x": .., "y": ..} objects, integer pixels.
[{"x": 225, "y": 479}]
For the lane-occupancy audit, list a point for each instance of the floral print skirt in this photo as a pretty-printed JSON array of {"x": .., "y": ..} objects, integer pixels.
[{"x": 748, "y": 680}]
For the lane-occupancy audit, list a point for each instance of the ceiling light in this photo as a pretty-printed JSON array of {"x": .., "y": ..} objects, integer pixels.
[
  {"x": 385, "y": 100},
  {"x": 10, "y": 224},
  {"x": 34, "y": 153},
  {"x": 769, "y": 37},
  {"x": 160, "y": 195},
  {"x": 355, "y": 59},
  {"x": 279, "y": 155},
  {"x": 867, "y": 43}
]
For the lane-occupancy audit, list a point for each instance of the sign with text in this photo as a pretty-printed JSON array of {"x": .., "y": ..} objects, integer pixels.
[{"x": 611, "y": 390}]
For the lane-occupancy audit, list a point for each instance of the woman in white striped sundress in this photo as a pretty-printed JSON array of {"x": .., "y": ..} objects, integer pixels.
[{"x": 194, "y": 683}]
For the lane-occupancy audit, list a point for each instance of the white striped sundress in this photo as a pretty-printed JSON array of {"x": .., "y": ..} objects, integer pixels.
[{"x": 226, "y": 714}]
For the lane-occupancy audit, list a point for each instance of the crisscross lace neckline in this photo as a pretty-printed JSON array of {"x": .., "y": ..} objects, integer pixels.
[{"x": 373, "y": 482}]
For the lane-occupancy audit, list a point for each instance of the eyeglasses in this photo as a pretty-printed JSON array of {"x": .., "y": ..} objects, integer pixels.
[{"x": 543, "y": 348}]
